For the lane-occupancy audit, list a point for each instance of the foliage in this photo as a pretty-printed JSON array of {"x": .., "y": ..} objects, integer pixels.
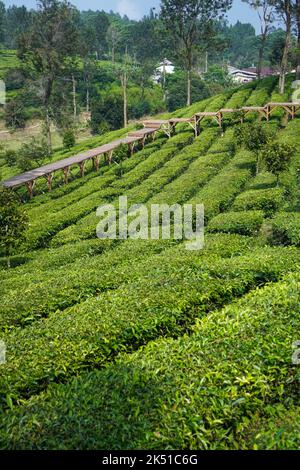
[
  {"x": 254, "y": 137},
  {"x": 217, "y": 79},
  {"x": 90, "y": 322},
  {"x": 267, "y": 200},
  {"x": 286, "y": 228},
  {"x": 32, "y": 154},
  {"x": 13, "y": 222},
  {"x": 191, "y": 25},
  {"x": 69, "y": 139},
  {"x": 15, "y": 116},
  {"x": 107, "y": 112},
  {"x": 243, "y": 223},
  {"x": 48, "y": 47},
  {"x": 10, "y": 156},
  {"x": 256, "y": 373},
  {"x": 277, "y": 157},
  {"x": 176, "y": 94}
]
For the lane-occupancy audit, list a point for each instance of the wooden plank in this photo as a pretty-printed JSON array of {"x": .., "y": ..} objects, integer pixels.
[
  {"x": 281, "y": 104},
  {"x": 181, "y": 120},
  {"x": 254, "y": 108},
  {"x": 225, "y": 110},
  {"x": 208, "y": 114},
  {"x": 142, "y": 132}
]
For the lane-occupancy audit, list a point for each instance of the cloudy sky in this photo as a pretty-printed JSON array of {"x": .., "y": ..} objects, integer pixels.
[{"x": 135, "y": 9}]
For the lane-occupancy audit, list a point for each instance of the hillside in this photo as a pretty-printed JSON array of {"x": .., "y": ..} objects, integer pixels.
[{"x": 142, "y": 344}]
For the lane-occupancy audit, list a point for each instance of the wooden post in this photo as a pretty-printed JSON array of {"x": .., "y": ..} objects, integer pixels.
[
  {"x": 82, "y": 168},
  {"x": 167, "y": 130},
  {"x": 49, "y": 177},
  {"x": 110, "y": 156},
  {"x": 66, "y": 172},
  {"x": 220, "y": 119},
  {"x": 30, "y": 186},
  {"x": 131, "y": 148},
  {"x": 293, "y": 111},
  {"x": 196, "y": 126},
  {"x": 199, "y": 120},
  {"x": 96, "y": 163}
]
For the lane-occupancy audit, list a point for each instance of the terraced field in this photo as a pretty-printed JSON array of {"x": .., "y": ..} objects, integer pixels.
[{"x": 135, "y": 344}]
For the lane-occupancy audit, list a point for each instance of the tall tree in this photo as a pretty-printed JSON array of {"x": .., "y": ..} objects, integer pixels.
[
  {"x": 46, "y": 46},
  {"x": 190, "y": 21},
  {"x": 2, "y": 21},
  {"x": 124, "y": 71},
  {"x": 100, "y": 24},
  {"x": 265, "y": 11},
  {"x": 114, "y": 38},
  {"x": 285, "y": 10},
  {"x": 18, "y": 19}
]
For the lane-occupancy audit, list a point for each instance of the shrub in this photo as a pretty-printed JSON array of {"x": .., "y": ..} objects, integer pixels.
[
  {"x": 69, "y": 139},
  {"x": 32, "y": 154},
  {"x": 15, "y": 116},
  {"x": 243, "y": 223},
  {"x": 267, "y": 200},
  {"x": 136, "y": 312},
  {"x": 108, "y": 110},
  {"x": 220, "y": 191},
  {"x": 277, "y": 157},
  {"x": 286, "y": 228},
  {"x": 13, "y": 222},
  {"x": 81, "y": 206},
  {"x": 220, "y": 388},
  {"x": 253, "y": 137},
  {"x": 10, "y": 156},
  {"x": 176, "y": 93}
]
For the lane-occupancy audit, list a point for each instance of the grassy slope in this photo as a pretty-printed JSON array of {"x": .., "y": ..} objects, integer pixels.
[{"x": 211, "y": 371}]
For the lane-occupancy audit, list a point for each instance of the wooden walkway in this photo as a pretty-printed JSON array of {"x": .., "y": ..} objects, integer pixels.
[
  {"x": 151, "y": 127},
  {"x": 47, "y": 171}
]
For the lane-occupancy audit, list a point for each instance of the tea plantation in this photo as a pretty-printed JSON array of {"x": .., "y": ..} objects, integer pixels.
[{"x": 136, "y": 344}]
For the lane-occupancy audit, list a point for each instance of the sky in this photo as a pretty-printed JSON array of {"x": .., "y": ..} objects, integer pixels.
[{"x": 135, "y": 9}]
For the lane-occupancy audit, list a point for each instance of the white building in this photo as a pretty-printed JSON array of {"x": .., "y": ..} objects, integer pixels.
[
  {"x": 242, "y": 75},
  {"x": 165, "y": 68}
]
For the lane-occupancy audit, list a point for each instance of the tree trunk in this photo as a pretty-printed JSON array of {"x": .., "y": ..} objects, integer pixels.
[
  {"x": 189, "y": 89},
  {"x": 74, "y": 98},
  {"x": 164, "y": 82},
  {"x": 124, "y": 83},
  {"x": 261, "y": 55},
  {"x": 284, "y": 62},
  {"x": 87, "y": 100},
  {"x": 8, "y": 262},
  {"x": 47, "y": 97},
  {"x": 48, "y": 131}
]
